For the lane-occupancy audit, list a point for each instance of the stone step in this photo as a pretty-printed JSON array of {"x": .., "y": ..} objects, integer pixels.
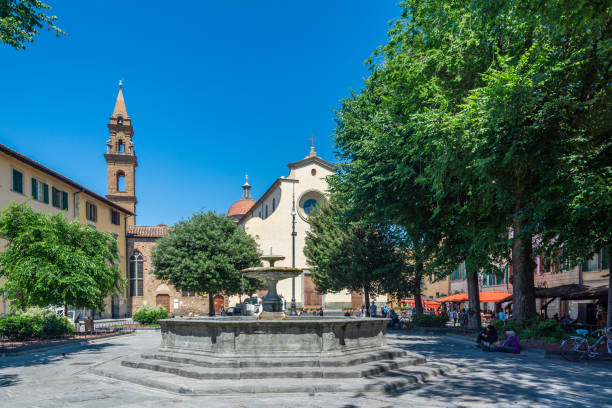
[
  {"x": 251, "y": 372},
  {"x": 387, "y": 382},
  {"x": 343, "y": 361}
]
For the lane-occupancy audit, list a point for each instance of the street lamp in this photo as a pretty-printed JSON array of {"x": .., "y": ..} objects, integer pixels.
[{"x": 293, "y": 234}]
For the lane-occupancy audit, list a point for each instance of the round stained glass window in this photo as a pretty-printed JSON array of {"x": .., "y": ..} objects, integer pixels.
[{"x": 309, "y": 205}]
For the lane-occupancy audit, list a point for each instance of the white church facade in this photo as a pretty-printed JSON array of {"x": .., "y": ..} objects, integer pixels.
[{"x": 269, "y": 221}]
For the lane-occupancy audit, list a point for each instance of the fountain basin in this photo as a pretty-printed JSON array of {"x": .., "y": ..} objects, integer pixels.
[{"x": 248, "y": 337}]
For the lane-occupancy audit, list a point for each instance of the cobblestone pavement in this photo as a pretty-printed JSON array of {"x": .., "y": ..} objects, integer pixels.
[{"x": 46, "y": 379}]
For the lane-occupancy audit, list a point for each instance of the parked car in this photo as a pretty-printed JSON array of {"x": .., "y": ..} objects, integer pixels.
[{"x": 234, "y": 310}]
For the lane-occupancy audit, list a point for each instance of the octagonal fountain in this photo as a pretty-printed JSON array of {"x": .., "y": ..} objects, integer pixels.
[{"x": 196, "y": 353}]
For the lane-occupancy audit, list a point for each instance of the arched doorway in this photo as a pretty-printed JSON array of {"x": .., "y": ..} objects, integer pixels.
[
  {"x": 163, "y": 300},
  {"x": 218, "y": 301},
  {"x": 115, "y": 310}
]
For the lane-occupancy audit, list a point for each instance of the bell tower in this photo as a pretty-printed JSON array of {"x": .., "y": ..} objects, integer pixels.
[{"x": 121, "y": 159}]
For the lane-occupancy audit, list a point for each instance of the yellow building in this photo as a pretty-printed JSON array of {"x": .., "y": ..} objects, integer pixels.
[{"x": 25, "y": 180}]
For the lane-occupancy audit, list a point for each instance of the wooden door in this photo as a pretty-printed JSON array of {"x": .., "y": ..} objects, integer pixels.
[
  {"x": 356, "y": 299},
  {"x": 218, "y": 302},
  {"x": 311, "y": 296},
  {"x": 163, "y": 300}
]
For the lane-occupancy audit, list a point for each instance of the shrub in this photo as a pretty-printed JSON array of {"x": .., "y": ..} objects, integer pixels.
[
  {"x": 36, "y": 323},
  {"x": 150, "y": 314},
  {"x": 424, "y": 320}
]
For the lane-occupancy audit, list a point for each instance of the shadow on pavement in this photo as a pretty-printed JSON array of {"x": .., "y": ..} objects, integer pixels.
[
  {"x": 55, "y": 354},
  {"x": 8, "y": 380},
  {"x": 506, "y": 379}
]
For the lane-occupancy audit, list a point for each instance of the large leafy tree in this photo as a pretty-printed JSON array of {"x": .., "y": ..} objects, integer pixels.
[
  {"x": 471, "y": 113},
  {"x": 355, "y": 255},
  {"x": 206, "y": 253},
  {"x": 21, "y": 21},
  {"x": 50, "y": 261}
]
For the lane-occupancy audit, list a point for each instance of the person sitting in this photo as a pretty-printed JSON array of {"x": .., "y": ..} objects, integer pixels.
[
  {"x": 511, "y": 344},
  {"x": 487, "y": 337},
  {"x": 395, "y": 320}
]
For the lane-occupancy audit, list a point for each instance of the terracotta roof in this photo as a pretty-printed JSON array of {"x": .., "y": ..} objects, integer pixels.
[
  {"x": 146, "y": 231},
  {"x": 240, "y": 207},
  {"x": 38, "y": 166}
]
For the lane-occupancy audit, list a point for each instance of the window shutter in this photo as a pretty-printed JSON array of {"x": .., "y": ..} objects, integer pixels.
[
  {"x": 64, "y": 200},
  {"x": 95, "y": 213},
  {"x": 34, "y": 188},
  {"x": 46, "y": 193},
  {"x": 54, "y": 197},
  {"x": 17, "y": 181}
]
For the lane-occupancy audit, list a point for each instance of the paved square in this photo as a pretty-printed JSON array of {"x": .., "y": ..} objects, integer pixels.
[{"x": 46, "y": 379}]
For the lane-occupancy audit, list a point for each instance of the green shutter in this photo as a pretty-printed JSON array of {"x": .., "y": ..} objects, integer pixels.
[
  {"x": 34, "y": 188},
  {"x": 64, "y": 200},
  {"x": 54, "y": 197},
  {"x": 17, "y": 181},
  {"x": 46, "y": 193}
]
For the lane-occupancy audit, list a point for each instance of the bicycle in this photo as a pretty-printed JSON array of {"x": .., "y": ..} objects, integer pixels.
[{"x": 576, "y": 348}]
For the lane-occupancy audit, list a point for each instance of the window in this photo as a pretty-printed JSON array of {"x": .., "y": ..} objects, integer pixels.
[
  {"x": 266, "y": 210},
  {"x": 59, "y": 198},
  {"x": 17, "y": 181},
  {"x": 120, "y": 146},
  {"x": 273, "y": 203},
  {"x": 120, "y": 120},
  {"x": 309, "y": 205},
  {"x": 188, "y": 293},
  {"x": 40, "y": 191},
  {"x": 136, "y": 274},
  {"x": 91, "y": 211},
  {"x": 120, "y": 181},
  {"x": 115, "y": 217},
  {"x": 599, "y": 260}
]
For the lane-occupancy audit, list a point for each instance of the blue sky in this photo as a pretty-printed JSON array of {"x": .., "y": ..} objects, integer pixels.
[{"x": 215, "y": 89}]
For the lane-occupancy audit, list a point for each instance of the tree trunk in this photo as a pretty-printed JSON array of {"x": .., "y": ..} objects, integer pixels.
[
  {"x": 609, "y": 317},
  {"x": 366, "y": 295},
  {"x": 473, "y": 300},
  {"x": 523, "y": 293},
  {"x": 65, "y": 310},
  {"x": 418, "y": 276},
  {"x": 211, "y": 304}
]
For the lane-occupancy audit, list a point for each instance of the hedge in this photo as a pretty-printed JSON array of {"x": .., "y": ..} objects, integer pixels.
[
  {"x": 150, "y": 314},
  {"x": 34, "y": 323}
]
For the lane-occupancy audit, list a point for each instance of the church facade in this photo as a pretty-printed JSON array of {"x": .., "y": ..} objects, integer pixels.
[{"x": 270, "y": 221}]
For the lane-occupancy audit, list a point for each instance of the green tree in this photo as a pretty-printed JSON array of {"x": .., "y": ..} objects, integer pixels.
[
  {"x": 469, "y": 116},
  {"x": 50, "y": 261},
  {"x": 206, "y": 253},
  {"x": 20, "y": 21},
  {"x": 352, "y": 255}
]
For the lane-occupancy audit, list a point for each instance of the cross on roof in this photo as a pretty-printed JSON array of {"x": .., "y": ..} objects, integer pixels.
[{"x": 312, "y": 140}]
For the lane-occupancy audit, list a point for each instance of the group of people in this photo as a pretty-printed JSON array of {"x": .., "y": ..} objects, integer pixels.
[{"x": 487, "y": 338}]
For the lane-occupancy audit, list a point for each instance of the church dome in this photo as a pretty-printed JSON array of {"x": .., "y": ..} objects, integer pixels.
[{"x": 242, "y": 206}]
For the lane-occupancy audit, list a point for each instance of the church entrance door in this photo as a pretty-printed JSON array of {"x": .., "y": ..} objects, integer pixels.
[
  {"x": 218, "y": 302},
  {"x": 311, "y": 296},
  {"x": 163, "y": 300}
]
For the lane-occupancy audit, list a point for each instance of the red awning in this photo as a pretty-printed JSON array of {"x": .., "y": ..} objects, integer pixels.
[{"x": 485, "y": 297}]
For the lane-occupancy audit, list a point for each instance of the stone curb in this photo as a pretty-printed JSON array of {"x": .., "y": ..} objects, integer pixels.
[{"x": 46, "y": 347}]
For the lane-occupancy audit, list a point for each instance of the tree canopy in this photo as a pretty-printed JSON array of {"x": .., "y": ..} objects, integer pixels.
[
  {"x": 206, "y": 254},
  {"x": 474, "y": 127},
  {"x": 50, "y": 261},
  {"x": 20, "y": 21},
  {"x": 354, "y": 255}
]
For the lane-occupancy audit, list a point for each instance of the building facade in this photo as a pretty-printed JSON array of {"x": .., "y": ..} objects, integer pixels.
[
  {"x": 269, "y": 221},
  {"x": 25, "y": 180}
]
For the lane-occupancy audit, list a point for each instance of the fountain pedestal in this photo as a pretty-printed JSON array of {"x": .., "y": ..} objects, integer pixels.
[{"x": 270, "y": 275}]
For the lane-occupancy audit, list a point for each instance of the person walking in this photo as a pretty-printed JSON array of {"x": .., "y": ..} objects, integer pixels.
[{"x": 454, "y": 317}]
